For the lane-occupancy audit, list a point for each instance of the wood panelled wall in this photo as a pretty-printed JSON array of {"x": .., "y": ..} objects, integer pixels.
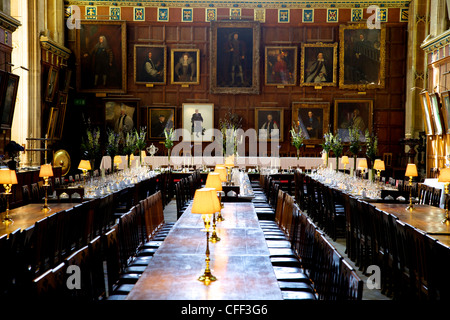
[{"x": 389, "y": 103}]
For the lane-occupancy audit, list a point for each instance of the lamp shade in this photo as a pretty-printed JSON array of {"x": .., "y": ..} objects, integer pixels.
[
  {"x": 444, "y": 175},
  {"x": 84, "y": 165},
  {"x": 131, "y": 156},
  {"x": 222, "y": 172},
  {"x": 344, "y": 160},
  {"x": 378, "y": 165},
  {"x": 117, "y": 159},
  {"x": 46, "y": 171},
  {"x": 229, "y": 161},
  {"x": 362, "y": 163},
  {"x": 214, "y": 181},
  {"x": 205, "y": 201},
  {"x": 8, "y": 176},
  {"x": 411, "y": 170}
]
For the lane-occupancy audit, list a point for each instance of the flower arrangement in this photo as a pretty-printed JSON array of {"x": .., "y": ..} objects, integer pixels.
[
  {"x": 168, "y": 142},
  {"x": 326, "y": 146},
  {"x": 130, "y": 145},
  {"x": 90, "y": 144},
  {"x": 141, "y": 142},
  {"x": 297, "y": 138},
  {"x": 355, "y": 143},
  {"x": 229, "y": 126},
  {"x": 112, "y": 146},
  {"x": 337, "y": 147},
  {"x": 371, "y": 145},
  {"x": 327, "y": 141}
]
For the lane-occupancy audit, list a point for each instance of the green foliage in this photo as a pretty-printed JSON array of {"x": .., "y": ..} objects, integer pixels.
[
  {"x": 371, "y": 145},
  {"x": 90, "y": 144}
]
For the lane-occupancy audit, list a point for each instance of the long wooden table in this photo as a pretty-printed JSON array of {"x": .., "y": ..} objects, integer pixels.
[
  {"x": 240, "y": 261},
  {"x": 424, "y": 217},
  {"x": 26, "y": 216}
]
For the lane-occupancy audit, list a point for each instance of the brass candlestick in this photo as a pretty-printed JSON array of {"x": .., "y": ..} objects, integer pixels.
[
  {"x": 411, "y": 206},
  {"x": 219, "y": 216},
  {"x": 46, "y": 208},
  {"x": 7, "y": 219},
  {"x": 214, "y": 238},
  {"x": 207, "y": 276}
]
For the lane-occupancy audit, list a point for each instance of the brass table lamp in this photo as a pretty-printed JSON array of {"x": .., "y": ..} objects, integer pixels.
[
  {"x": 444, "y": 177},
  {"x": 411, "y": 171},
  {"x": 379, "y": 166},
  {"x": 117, "y": 161},
  {"x": 46, "y": 172},
  {"x": 84, "y": 166},
  {"x": 344, "y": 161},
  {"x": 7, "y": 178},
  {"x": 229, "y": 164},
  {"x": 206, "y": 203},
  {"x": 362, "y": 165},
  {"x": 213, "y": 181}
]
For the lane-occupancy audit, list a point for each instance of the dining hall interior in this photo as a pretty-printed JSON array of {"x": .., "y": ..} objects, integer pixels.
[{"x": 225, "y": 150}]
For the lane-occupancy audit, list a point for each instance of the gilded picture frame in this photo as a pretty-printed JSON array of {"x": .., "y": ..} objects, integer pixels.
[
  {"x": 362, "y": 61},
  {"x": 9, "y": 100},
  {"x": 185, "y": 66},
  {"x": 436, "y": 113},
  {"x": 265, "y": 115},
  {"x": 52, "y": 122},
  {"x": 110, "y": 75},
  {"x": 353, "y": 113},
  {"x": 280, "y": 66},
  {"x": 160, "y": 119},
  {"x": 312, "y": 118},
  {"x": 62, "y": 106},
  {"x": 52, "y": 83},
  {"x": 314, "y": 71},
  {"x": 426, "y": 111},
  {"x": 445, "y": 100},
  {"x": 150, "y": 64},
  {"x": 245, "y": 36}
]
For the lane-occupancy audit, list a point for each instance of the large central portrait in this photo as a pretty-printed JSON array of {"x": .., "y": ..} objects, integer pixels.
[{"x": 235, "y": 57}]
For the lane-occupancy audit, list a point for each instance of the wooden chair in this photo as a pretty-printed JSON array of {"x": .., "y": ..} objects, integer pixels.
[
  {"x": 51, "y": 284},
  {"x": 97, "y": 273},
  {"x": 26, "y": 196},
  {"x": 436, "y": 197},
  {"x": 351, "y": 285},
  {"x": 82, "y": 260},
  {"x": 35, "y": 198}
]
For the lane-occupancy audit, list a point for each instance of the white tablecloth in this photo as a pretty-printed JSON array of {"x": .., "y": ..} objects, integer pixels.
[{"x": 241, "y": 162}]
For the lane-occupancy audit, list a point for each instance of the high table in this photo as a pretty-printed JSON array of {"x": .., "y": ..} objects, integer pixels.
[
  {"x": 26, "y": 216},
  {"x": 424, "y": 217},
  {"x": 240, "y": 261}
]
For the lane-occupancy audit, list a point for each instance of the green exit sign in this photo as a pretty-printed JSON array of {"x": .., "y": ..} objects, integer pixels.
[{"x": 79, "y": 102}]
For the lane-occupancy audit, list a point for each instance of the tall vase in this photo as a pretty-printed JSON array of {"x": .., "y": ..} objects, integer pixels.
[
  {"x": 326, "y": 159},
  {"x": 298, "y": 154},
  {"x": 354, "y": 162},
  {"x": 337, "y": 163},
  {"x": 112, "y": 163},
  {"x": 168, "y": 157}
]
